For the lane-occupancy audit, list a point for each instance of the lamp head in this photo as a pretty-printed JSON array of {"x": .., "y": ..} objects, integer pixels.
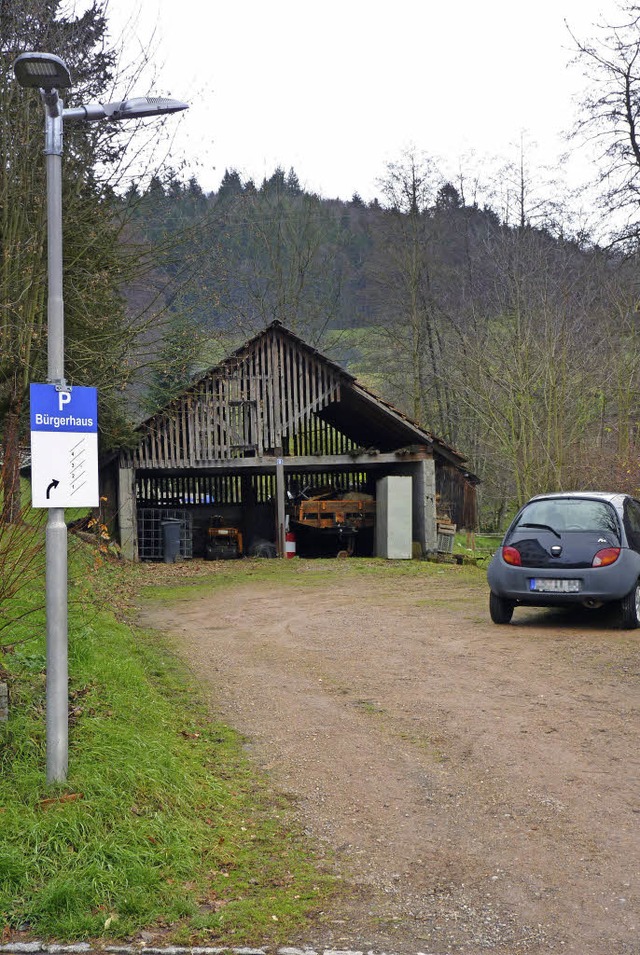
[
  {"x": 42, "y": 71},
  {"x": 142, "y": 106}
]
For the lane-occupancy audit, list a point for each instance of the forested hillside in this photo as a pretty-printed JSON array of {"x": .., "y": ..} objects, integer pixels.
[
  {"x": 517, "y": 345},
  {"x": 498, "y": 323}
]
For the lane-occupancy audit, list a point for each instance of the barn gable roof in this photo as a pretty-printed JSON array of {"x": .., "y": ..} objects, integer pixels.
[{"x": 271, "y": 388}]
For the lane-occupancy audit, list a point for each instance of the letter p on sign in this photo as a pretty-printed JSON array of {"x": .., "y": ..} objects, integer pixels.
[{"x": 64, "y": 397}]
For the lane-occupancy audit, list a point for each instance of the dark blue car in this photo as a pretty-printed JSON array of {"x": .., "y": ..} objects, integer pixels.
[{"x": 581, "y": 547}]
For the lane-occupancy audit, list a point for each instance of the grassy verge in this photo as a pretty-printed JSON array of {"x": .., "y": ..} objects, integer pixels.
[
  {"x": 173, "y": 583},
  {"x": 479, "y": 547},
  {"x": 161, "y": 826}
]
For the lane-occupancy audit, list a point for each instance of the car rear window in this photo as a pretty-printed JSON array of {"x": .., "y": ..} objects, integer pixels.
[
  {"x": 632, "y": 522},
  {"x": 570, "y": 514}
]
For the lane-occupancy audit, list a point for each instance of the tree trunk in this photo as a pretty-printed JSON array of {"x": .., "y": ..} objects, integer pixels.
[{"x": 10, "y": 475}]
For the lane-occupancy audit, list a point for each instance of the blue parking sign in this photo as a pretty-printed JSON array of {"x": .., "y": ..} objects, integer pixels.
[
  {"x": 64, "y": 446},
  {"x": 63, "y": 410}
]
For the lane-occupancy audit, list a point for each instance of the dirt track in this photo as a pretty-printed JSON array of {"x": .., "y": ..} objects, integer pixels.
[{"x": 479, "y": 785}]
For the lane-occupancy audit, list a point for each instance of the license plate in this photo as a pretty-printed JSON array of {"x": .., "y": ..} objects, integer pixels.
[{"x": 550, "y": 585}]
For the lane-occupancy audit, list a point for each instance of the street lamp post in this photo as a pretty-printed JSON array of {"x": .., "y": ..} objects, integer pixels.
[{"x": 49, "y": 74}]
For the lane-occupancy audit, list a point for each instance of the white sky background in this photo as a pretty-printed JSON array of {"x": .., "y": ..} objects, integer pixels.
[{"x": 337, "y": 89}]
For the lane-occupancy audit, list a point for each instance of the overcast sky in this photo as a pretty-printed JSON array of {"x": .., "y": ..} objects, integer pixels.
[{"x": 339, "y": 88}]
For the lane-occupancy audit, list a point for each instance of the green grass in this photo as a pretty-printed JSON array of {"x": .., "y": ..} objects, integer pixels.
[
  {"x": 480, "y": 547},
  {"x": 174, "y": 583},
  {"x": 161, "y": 825}
]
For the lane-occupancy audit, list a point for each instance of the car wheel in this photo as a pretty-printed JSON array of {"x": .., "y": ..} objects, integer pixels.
[
  {"x": 630, "y": 609},
  {"x": 501, "y": 610}
]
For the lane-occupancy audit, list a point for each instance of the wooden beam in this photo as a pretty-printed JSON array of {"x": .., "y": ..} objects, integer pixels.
[{"x": 311, "y": 462}]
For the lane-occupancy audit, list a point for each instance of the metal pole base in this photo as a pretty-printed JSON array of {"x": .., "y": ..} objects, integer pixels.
[{"x": 57, "y": 648}]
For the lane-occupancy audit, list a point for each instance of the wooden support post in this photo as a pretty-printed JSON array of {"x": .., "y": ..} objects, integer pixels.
[
  {"x": 127, "y": 513},
  {"x": 280, "y": 507}
]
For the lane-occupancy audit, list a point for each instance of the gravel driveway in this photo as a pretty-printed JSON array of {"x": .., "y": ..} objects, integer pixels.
[{"x": 477, "y": 787}]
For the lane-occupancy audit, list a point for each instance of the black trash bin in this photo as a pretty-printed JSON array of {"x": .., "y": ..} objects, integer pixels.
[{"x": 171, "y": 539}]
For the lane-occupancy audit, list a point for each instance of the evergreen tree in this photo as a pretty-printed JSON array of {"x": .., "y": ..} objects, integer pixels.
[
  {"x": 231, "y": 185},
  {"x": 293, "y": 183},
  {"x": 276, "y": 183},
  {"x": 174, "y": 366},
  {"x": 448, "y": 197}
]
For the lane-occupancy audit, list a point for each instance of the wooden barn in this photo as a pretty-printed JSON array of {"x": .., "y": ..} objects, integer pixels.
[{"x": 273, "y": 425}]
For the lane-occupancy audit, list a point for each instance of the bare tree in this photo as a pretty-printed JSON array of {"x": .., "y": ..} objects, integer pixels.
[
  {"x": 610, "y": 118},
  {"x": 529, "y": 194},
  {"x": 414, "y": 323},
  {"x": 540, "y": 375}
]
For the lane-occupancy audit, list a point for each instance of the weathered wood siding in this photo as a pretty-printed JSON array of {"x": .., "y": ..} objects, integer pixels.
[
  {"x": 457, "y": 495},
  {"x": 257, "y": 402}
]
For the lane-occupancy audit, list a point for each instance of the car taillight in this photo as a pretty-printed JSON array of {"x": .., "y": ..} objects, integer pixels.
[
  {"x": 511, "y": 556},
  {"x": 608, "y": 555}
]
